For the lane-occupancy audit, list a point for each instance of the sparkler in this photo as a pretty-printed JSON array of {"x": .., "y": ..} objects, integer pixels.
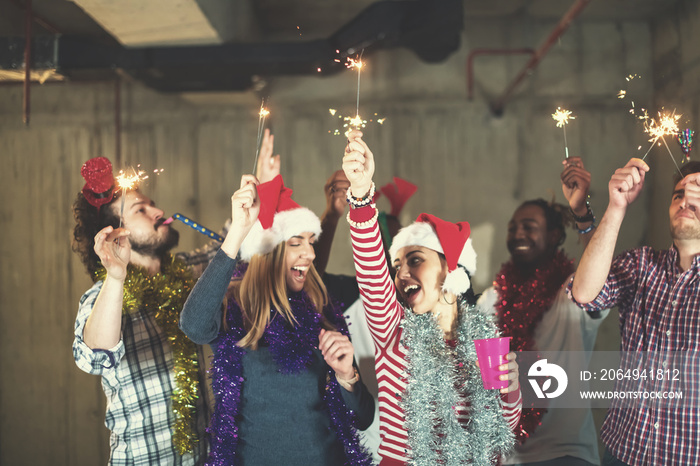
[
  {"x": 262, "y": 115},
  {"x": 128, "y": 182},
  {"x": 357, "y": 64},
  {"x": 667, "y": 125},
  {"x": 562, "y": 117}
]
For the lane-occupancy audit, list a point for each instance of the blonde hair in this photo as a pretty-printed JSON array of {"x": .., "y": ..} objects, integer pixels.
[{"x": 264, "y": 287}]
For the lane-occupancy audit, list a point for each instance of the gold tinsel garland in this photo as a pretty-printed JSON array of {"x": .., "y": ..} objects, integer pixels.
[{"x": 163, "y": 295}]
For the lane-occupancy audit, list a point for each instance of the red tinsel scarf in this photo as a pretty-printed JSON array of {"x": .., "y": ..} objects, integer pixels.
[{"x": 522, "y": 301}]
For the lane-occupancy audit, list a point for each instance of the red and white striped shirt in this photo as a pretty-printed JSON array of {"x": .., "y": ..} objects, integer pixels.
[{"x": 384, "y": 314}]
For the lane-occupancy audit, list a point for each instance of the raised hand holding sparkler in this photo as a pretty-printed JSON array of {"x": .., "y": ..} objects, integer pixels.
[{"x": 562, "y": 117}]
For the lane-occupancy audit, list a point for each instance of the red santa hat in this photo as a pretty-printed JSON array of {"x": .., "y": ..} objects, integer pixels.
[
  {"x": 450, "y": 239},
  {"x": 99, "y": 181},
  {"x": 280, "y": 219}
]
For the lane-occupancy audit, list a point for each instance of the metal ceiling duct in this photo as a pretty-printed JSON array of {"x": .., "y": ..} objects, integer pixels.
[{"x": 432, "y": 29}]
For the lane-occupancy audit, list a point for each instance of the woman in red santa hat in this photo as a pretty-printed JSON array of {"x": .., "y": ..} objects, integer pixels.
[
  {"x": 286, "y": 386},
  {"x": 433, "y": 408}
]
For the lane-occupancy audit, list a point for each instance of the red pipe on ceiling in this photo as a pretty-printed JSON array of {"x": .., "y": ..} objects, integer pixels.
[
  {"x": 570, "y": 15},
  {"x": 27, "y": 60},
  {"x": 477, "y": 52}
]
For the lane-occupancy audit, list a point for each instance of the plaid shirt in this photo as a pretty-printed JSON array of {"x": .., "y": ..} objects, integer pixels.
[
  {"x": 138, "y": 380},
  {"x": 659, "y": 309}
]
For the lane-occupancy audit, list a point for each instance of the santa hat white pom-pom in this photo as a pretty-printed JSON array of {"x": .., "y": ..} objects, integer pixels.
[{"x": 457, "y": 282}]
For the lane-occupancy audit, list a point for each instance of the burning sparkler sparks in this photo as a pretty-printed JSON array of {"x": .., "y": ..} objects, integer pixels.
[
  {"x": 562, "y": 117},
  {"x": 358, "y": 65},
  {"x": 667, "y": 125},
  {"x": 352, "y": 122},
  {"x": 128, "y": 182},
  {"x": 262, "y": 115}
]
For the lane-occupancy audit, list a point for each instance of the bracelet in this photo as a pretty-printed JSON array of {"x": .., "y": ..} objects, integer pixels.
[
  {"x": 365, "y": 224},
  {"x": 587, "y": 217},
  {"x": 361, "y": 201},
  {"x": 352, "y": 381},
  {"x": 587, "y": 230}
]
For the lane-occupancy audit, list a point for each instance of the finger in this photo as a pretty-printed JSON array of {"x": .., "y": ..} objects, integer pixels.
[
  {"x": 354, "y": 157},
  {"x": 116, "y": 234},
  {"x": 692, "y": 179},
  {"x": 249, "y": 179},
  {"x": 338, "y": 351},
  {"x": 356, "y": 145},
  {"x": 328, "y": 338},
  {"x": 638, "y": 163},
  {"x": 100, "y": 237},
  {"x": 354, "y": 134}
]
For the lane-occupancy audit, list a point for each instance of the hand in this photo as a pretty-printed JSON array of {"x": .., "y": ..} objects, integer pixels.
[
  {"x": 513, "y": 373},
  {"x": 336, "y": 189},
  {"x": 268, "y": 166},
  {"x": 358, "y": 164},
  {"x": 626, "y": 183},
  {"x": 338, "y": 353},
  {"x": 113, "y": 251},
  {"x": 691, "y": 186},
  {"x": 575, "y": 182},
  {"x": 245, "y": 206}
]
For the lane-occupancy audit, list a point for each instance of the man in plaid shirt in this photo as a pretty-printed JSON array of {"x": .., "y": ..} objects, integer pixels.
[
  {"x": 130, "y": 350},
  {"x": 658, "y": 294}
]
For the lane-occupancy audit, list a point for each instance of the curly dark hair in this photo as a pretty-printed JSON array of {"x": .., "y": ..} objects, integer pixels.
[
  {"x": 88, "y": 221},
  {"x": 557, "y": 216}
]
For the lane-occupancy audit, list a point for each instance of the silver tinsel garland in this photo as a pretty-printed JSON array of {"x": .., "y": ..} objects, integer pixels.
[{"x": 439, "y": 379}]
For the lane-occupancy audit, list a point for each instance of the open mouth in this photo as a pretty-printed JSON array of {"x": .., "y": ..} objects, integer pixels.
[
  {"x": 410, "y": 291},
  {"x": 299, "y": 272}
]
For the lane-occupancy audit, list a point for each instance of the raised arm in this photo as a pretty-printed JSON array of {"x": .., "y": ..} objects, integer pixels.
[
  {"x": 200, "y": 318},
  {"x": 575, "y": 182},
  {"x": 103, "y": 327},
  {"x": 376, "y": 288},
  {"x": 623, "y": 189},
  {"x": 335, "y": 190}
]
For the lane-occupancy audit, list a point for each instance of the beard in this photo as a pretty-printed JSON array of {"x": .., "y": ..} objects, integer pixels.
[
  {"x": 155, "y": 246},
  {"x": 685, "y": 232}
]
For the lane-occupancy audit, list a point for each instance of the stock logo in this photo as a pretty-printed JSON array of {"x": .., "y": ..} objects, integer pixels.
[{"x": 551, "y": 371}]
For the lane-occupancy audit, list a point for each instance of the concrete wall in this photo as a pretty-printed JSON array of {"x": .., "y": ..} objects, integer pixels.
[{"x": 468, "y": 163}]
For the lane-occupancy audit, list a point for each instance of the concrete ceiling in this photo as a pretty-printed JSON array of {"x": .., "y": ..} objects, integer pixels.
[
  {"x": 137, "y": 23},
  {"x": 170, "y": 44}
]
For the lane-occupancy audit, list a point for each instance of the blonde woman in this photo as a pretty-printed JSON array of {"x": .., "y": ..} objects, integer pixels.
[
  {"x": 433, "y": 408},
  {"x": 287, "y": 390}
]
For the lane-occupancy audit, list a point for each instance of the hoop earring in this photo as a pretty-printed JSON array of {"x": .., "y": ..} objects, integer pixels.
[{"x": 444, "y": 298}]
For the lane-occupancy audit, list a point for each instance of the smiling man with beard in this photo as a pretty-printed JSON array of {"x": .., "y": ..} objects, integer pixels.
[
  {"x": 658, "y": 294},
  {"x": 531, "y": 305},
  {"x": 127, "y": 330}
]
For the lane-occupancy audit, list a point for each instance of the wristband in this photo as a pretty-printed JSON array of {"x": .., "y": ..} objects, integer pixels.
[
  {"x": 352, "y": 381},
  {"x": 587, "y": 217},
  {"x": 361, "y": 201},
  {"x": 365, "y": 224},
  {"x": 587, "y": 230}
]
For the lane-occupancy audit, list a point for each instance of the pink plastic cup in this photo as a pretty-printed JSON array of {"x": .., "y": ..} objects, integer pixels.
[{"x": 491, "y": 353}]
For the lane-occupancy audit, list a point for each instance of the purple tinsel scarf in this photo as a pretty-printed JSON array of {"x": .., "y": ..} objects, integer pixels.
[{"x": 292, "y": 348}]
